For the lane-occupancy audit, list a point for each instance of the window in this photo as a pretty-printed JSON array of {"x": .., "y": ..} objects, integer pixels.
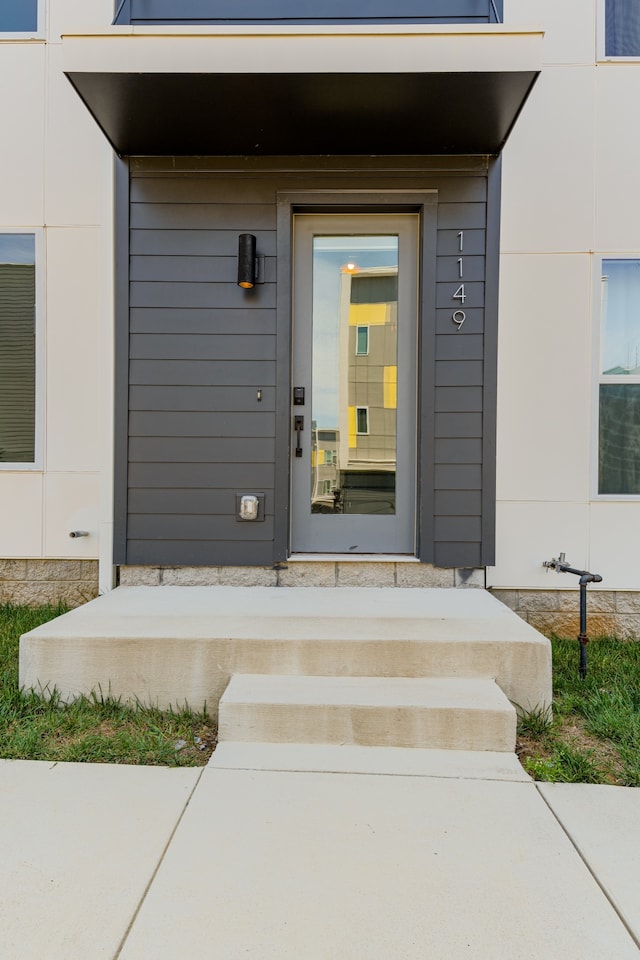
[
  {"x": 18, "y": 16},
  {"x": 362, "y": 420},
  {"x": 622, "y": 28},
  {"x": 619, "y": 388},
  {"x": 362, "y": 341},
  {"x": 17, "y": 349},
  {"x": 328, "y": 456}
]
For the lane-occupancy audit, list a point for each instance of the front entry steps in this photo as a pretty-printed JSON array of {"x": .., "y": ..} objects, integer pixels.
[{"x": 432, "y": 713}]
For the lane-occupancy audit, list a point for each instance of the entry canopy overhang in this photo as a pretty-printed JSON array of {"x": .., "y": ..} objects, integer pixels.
[{"x": 236, "y": 91}]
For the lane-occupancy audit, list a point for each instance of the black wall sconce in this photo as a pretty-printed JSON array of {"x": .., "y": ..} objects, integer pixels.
[{"x": 250, "y": 266}]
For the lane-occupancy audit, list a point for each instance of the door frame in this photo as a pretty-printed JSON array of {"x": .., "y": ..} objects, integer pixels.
[{"x": 347, "y": 201}]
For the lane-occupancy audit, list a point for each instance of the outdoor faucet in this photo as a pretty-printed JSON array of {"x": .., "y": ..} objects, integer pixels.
[{"x": 561, "y": 566}]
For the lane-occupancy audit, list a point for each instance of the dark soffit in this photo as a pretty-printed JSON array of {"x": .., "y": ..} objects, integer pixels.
[{"x": 169, "y": 114}]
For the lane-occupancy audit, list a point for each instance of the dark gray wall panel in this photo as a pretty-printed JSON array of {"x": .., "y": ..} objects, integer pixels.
[
  {"x": 200, "y": 295},
  {"x": 458, "y": 554},
  {"x": 458, "y": 450},
  {"x": 201, "y": 350},
  {"x": 201, "y": 190},
  {"x": 203, "y": 502},
  {"x": 459, "y": 373},
  {"x": 194, "y": 476},
  {"x": 202, "y": 372},
  {"x": 194, "y": 269},
  {"x": 201, "y": 242},
  {"x": 199, "y": 552},
  {"x": 458, "y": 529},
  {"x": 458, "y": 503},
  {"x": 200, "y": 450},
  {"x": 449, "y": 269},
  {"x": 458, "y": 476},
  {"x": 201, "y": 347},
  {"x": 191, "y": 424},
  {"x": 465, "y": 346},
  {"x": 473, "y": 242},
  {"x": 194, "y": 527},
  {"x": 462, "y": 216},
  {"x": 473, "y": 293},
  {"x": 205, "y": 216},
  {"x": 458, "y": 399},
  {"x": 202, "y": 398},
  {"x": 458, "y": 425},
  {"x": 237, "y": 320},
  {"x": 473, "y": 324}
]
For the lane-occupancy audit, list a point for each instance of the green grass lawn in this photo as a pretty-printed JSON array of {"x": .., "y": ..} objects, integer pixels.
[
  {"x": 595, "y": 733},
  {"x": 594, "y": 736},
  {"x": 96, "y": 729}
]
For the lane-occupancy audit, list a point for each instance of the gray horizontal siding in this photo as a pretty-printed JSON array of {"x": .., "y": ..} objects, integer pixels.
[
  {"x": 466, "y": 346},
  {"x": 198, "y": 295},
  {"x": 195, "y": 476},
  {"x": 199, "y": 552},
  {"x": 204, "y": 216},
  {"x": 458, "y": 425},
  {"x": 314, "y": 11},
  {"x": 196, "y": 424},
  {"x": 243, "y": 322},
  {"x": 201, "y": 398},
  {"x": 202, "y": 347},
  {"x": 201, "y": 350},
  {"x": 456, "y": 554},
  {"x": 178, "y": 502},
  {"x": 194, "y": 269},
  {"x": 474, "y": 323},
  {"x": 201, "y": 450},
  {"x": 202, "y": 373},
  {"x": 202, "y": 242},
  {"x": 197, "y": 527}
]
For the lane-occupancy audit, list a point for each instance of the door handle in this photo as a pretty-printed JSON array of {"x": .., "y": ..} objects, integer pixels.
[{"x": 298, "y": 426}]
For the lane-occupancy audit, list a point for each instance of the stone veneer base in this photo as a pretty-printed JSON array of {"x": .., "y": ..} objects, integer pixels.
[
  {"x": 37, "y": 582},
  {"x": 556, "y": 613},
  {"x": 314, "y": 573}
]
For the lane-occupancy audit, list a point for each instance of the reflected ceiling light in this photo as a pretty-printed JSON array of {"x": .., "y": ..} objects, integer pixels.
[{"x": 350, "y": 268}]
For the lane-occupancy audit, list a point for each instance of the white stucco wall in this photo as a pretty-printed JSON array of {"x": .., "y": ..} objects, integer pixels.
[
  {"x": 570, "y": 191},
  {"x": 56, "y": 179}
]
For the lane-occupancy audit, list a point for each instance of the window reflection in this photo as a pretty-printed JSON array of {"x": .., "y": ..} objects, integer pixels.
[{"x": 354, "y": 390}]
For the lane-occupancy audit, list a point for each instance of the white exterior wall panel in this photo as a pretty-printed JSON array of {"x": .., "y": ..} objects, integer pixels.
[
  {"x": 570, "y": 183},
  {"x": 55, "y": 178}
]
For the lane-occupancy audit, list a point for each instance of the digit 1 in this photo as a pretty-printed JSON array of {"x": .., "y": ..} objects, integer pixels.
[
  {"x": 459, "y": 318},
  {"x": 460, "y": 266},
  {"x": 460, "y": 240}
]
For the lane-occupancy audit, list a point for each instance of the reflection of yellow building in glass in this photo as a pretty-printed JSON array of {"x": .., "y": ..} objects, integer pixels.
[
  {"x": 325, "y": 470},
  {"x": 368, "y": 388}
]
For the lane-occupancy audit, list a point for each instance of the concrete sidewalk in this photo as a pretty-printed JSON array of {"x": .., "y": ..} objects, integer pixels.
[{"x": 260, "y": 855}]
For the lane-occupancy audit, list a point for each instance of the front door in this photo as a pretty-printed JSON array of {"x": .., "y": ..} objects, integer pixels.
[{"x": 355, "y": 383}]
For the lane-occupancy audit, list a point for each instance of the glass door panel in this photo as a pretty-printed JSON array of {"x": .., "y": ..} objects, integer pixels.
[{"x": 355, "y": 323}]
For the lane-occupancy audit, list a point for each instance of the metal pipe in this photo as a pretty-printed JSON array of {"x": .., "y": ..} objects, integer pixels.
[{"x": 560, "y": 566}]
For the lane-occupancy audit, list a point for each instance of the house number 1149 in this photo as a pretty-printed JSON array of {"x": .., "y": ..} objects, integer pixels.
[{"x": 459, "y": 316}]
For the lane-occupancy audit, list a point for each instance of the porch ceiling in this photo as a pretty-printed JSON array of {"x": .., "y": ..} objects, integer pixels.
[{"x": 291, "y": 90}]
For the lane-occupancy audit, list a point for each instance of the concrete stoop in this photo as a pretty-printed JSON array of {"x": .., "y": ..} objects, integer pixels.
[
  {"x": 423, "y": 713},
  {"x": 418, "y": 668}
]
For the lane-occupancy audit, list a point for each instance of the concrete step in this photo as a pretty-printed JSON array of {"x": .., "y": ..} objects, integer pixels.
[
  {"x": 171, "y": 645},
  {"x": 428, "y": 713}
]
